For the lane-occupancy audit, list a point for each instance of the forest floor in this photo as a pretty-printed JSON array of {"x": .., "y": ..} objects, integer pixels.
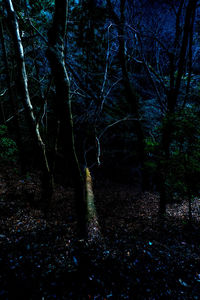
[{"x": 141, "y": 256}]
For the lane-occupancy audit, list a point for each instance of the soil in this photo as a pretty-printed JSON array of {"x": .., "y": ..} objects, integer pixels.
[{"x": 139, "y": 255}]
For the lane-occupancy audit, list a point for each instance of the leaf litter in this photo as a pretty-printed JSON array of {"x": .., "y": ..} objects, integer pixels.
[{"x": 141, "y": 256}]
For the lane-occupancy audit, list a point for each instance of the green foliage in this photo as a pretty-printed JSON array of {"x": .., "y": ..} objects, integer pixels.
[
  {"x": 183, "y": 171},
  {"x": 150, "y": 144},
  {"x": 41, "y": 6},
  {"x": 181, "y": 168},
  {"x": 8, "y": 148},
  {"x": 3, "y": 130}
]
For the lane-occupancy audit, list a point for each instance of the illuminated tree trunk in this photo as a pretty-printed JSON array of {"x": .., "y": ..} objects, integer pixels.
[
  {"x": 94, "y": 232},
  {"x": 47, "y": 183},
  {"x": 81, "y": 177}
]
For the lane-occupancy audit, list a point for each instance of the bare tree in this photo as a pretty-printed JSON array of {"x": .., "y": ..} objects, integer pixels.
[{"x": 47, "y": 182}]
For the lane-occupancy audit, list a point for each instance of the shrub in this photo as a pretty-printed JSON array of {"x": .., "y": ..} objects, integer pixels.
[{"x": 8, "y": 147}]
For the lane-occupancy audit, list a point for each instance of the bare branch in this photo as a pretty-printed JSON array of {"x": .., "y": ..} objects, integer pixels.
[
  {"x": 12, "y": 117},
  {"x": 128, "y": 118}
]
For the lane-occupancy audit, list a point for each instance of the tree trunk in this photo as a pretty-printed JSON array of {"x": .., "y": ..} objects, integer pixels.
[
  {"x": 55, "y": 53},
  {"x": 130, "y": 95},
  {"x": 47, "y": 182},
  {"x": 172, "y": 98},
  {"x": 13, "y": 104}
]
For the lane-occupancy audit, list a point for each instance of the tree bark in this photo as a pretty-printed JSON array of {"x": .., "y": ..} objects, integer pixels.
[
  {"x": 47, "y": 182},
  {"x": 55, "y": 54}
]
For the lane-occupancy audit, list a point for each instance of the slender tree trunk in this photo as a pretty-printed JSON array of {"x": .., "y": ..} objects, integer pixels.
[
  {"x": 47, "y": 183},
  {"x": 130, "y": 95},
  {"x": 42, "y": 96},
  {"x": 172, "y": 98},
  {"x": 94, "y": 231},
  {"x": 13, "y": 104},
  {"x": 190, "y": 58},
  {"x": 133, "y": 102}
]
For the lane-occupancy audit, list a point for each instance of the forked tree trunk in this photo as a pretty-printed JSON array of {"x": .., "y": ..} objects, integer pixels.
[{"x": 47, "y": 182}]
